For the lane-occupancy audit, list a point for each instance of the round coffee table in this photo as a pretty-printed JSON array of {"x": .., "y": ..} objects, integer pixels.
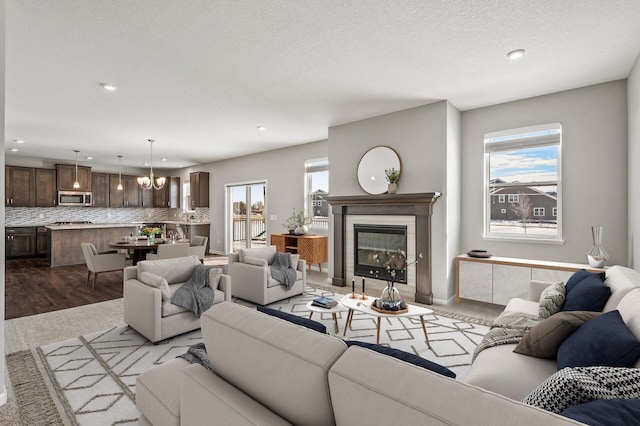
[{"x": 333, "y": 311}]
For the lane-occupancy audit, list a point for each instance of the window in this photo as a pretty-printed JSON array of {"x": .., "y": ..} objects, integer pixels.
[
  {"x": 501, "y": 199},
  {"x": 316, "y": 173},
  {"x": 524, "y": 164}
]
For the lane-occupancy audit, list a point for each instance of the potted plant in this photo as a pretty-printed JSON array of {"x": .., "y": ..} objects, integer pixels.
[
  {"x": 297, "y": 222},
  {"x": 392, "y": 176}
]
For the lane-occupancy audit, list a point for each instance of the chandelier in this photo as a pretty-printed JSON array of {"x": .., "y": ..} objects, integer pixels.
[{"x": 148, "y": 182}]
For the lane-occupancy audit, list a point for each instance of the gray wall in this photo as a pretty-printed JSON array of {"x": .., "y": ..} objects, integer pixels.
[
  {"x": 282, "y": 169},
  {"x": 420, "y": 136},
  {"x": 594, "y": 170},
  {"x": 633, "y": 94}
]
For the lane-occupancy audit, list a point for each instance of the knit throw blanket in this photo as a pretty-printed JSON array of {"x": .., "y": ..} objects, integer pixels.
[
  {"x": 508, "y": 328},
  {"x": 195, "y": 295},
  {"x": 281, "y": 272},
  {"x": 197, "y": 354}
]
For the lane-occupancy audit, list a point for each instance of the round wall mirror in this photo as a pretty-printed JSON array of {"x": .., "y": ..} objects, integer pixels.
[{"x": 373, "y": 163}]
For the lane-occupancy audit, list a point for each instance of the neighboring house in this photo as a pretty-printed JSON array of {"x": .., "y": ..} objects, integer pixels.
[{"x": 543, "y": 205}]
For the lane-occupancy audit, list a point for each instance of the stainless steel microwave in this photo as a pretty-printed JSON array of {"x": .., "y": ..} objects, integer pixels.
[{"x": 74, "y": 198}]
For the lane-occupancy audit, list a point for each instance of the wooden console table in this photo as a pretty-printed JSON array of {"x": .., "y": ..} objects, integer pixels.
[
  {"x": 312, "y": 248},
  {"x": 498, "y": 279}
]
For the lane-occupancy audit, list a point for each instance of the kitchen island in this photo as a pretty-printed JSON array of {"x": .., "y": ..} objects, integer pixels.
[{"x": 64, "y": 240}]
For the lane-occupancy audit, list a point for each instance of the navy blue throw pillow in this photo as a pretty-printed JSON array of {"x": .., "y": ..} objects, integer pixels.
[
  {"x": 602, "y": 341},
  {"x": 606, "y": 412},
  {"x": 405, "y": 356},
  {"x": 590, "y": 294},
  {"x": 579, "y": 276},
  {"x": 295, "y": 319}
]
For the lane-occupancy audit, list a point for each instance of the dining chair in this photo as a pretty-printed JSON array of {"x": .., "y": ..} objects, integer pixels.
[
  {"x": 97, "y": 262},
  {"x": 197, "y": 246},
  {"x": 169, "y": 251}
]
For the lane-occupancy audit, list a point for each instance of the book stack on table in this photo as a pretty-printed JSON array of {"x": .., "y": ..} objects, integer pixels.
[{"x": 324, "y": 302}]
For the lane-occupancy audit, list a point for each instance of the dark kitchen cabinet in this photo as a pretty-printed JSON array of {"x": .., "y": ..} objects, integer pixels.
[
  {"x": 199, "y": 189},
  {"x": 169, "y": 195},
  {"x": 20, "y": 241},
  {"x": 100, "y": 189},
  {"x": 19, "y": 186},
  {"x": 42, "y": 240},
  {"x": 67, "y": 176},
  {"x": 45, "y": 188},
  {"x": 130, "y": 196}
]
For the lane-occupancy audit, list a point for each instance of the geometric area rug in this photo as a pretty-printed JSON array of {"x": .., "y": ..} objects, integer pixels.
[{"x": 91, "y": 379}]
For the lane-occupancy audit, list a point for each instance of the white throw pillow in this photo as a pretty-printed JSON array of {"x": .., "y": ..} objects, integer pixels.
[
  {"x": 293, "y": 260},
  {"x": 214, "y": 277},
  {"x": 255, "y": 261},
  {"x": 158, "y": 282}
]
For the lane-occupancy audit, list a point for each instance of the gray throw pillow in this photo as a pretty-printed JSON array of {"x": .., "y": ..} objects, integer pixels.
[
  {"x": 158, "y": 282},
  {"x": 573, "y": 386},
  {"x": 214, "y": 277},
  {"x": 544, "y": 339},
  {"x": 551, "y": 300}
]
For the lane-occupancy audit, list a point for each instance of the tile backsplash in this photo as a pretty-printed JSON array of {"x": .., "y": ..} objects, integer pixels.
[{"x": 35, "y": 216}]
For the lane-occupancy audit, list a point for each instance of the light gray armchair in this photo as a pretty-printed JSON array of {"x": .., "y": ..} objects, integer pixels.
[
  {"x": 97, "y": 262},
  {"x": 147, "y": 306},
  {"x": 251, "y": 275},
  {"x": 198, "y": 245}
]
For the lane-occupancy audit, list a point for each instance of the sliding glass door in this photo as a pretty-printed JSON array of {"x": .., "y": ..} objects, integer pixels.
[{"x": 246, "y": 220}]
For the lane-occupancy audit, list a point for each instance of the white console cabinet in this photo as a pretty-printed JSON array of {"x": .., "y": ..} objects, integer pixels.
[{"x": 498, "y": 279}]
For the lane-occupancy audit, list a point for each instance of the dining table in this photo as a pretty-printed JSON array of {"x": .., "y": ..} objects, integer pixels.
[{"x": 140, "y": 247}]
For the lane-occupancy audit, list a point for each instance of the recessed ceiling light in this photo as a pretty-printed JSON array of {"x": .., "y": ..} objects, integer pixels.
[
  {"x": 179, "y": 165},
  {"x": 14, "y": 150},
  {"x": 89, "y": 158},
  {"x": 146, "y": 164},
  {"x": 516, "y": 54},
  {"x": 262, "y": 128},
  {"x": 19, "y": 141},
  {"x": 163, "y": 159},
  {"x": 108, "y": 87}
]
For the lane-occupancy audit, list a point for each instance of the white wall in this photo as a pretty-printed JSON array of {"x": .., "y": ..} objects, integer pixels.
[
  {"x": 3, "y": 390},
  {"x": 419, "y": 136},
  {"x": 633, "y": 99},
  {"x": 594, "y": 170},
  {"x": 282, "y": 169}
]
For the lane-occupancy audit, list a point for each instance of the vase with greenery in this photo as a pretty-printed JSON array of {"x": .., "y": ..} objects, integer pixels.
[
  {"x": 392, "y": 175},
  {"x": 297, "y": 222}
]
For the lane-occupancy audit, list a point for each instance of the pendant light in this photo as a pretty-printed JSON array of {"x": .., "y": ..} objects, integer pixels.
[
  {"x": 76, "y": 184},
  {"x": 148, "y": 182},
  {"x": 119, "y": 187}
]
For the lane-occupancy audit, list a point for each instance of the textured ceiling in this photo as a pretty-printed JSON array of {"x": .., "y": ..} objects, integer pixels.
[{"x": 199, "y": 76}]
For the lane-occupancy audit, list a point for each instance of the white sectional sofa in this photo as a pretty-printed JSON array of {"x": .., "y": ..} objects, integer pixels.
[
  {"x": 267, "y": 371},
  {"x": 499, "y": 369}
]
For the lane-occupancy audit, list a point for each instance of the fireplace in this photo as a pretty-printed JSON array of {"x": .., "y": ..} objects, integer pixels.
[
  {"x": 418, "y": 207},
  {"x": 380, "y": 250}
]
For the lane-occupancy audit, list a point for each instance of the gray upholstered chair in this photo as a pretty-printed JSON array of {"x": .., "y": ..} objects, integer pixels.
[
  {"x": 148, "y": 288},
  {"x": 97, "y": 262},
  {"x": 197, "y": 247},
  {"x": 169, "y": 251},
  {"x": 250, "y": 273}
]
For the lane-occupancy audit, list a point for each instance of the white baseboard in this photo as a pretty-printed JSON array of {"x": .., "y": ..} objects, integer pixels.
[{"x": 445, "y": 302}]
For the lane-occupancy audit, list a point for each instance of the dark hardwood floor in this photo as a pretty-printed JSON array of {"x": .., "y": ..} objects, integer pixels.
[{"x": 32, "y": 287}]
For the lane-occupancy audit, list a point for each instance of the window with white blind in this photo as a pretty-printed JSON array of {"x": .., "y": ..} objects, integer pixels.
[
  {"x": 523, "y": 166},
  {"x": 316, "y": 173}
]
